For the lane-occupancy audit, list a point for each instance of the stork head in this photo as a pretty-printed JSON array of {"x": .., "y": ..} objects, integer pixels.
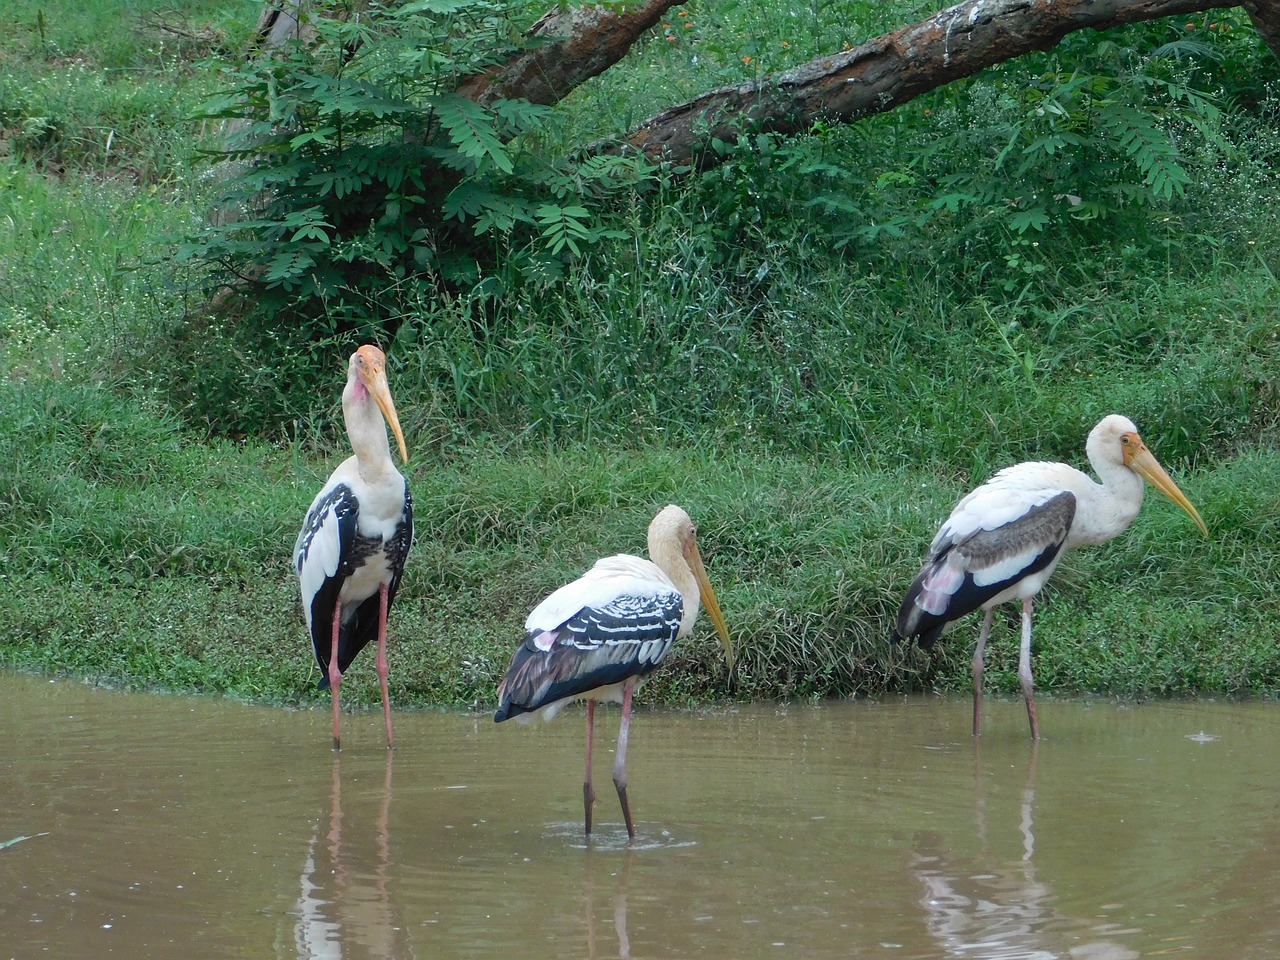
[
  {"x": 367, "y": 372},
  {"x": 1116, "y": 440},
  {"x": 674, "y": 525}
]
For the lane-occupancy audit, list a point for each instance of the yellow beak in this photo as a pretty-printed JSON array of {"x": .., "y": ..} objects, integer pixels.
[
  {"x": 709, "y": 600},
  {"x": 381, "y": 393},
  {"x": 1144, "y": 463}
]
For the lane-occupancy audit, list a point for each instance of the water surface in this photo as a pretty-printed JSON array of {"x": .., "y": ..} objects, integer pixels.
[{"x": 190, "y": 827}]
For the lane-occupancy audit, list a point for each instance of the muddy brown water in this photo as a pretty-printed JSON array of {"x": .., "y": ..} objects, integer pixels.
[{"x": 190, "y": 827}]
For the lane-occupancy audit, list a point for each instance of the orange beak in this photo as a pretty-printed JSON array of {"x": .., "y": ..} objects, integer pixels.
[
  {"x": 1144, "y": 463},
  {"x": 709, "y": 599},
  {"x": 374, "y": 376}
]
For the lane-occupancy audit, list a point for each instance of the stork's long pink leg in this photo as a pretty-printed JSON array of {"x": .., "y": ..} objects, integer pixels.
[
  {"x": 1024, "y": 669},
  {"x": 335, "y": 678},
  {"x": 977, "y": 667},
  {"x": 384, "y": 671},
  {"x": 588, "y": 793},
  {"x": 620, "y": 762}
]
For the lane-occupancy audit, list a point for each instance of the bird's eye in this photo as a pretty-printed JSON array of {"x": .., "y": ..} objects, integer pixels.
[{"x": 1125, "y": 440}]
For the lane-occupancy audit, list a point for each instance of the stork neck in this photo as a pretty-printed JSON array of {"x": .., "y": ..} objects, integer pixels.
[
  {"x": 1116, "y": 502},
  {"x": 1118, "y": 478},
  {"x": 666, "y": 554},
  {"x": 367, "y": 432}
]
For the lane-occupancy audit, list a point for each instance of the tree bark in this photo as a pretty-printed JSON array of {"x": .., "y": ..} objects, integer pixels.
[
  {"x": 883, "y": 73},
  {"x": 280, "y": 22},
  {"x": 874, "y": 77},
  {"x": 579, "y": 44},
  {"x": 1265, "y": 15}
]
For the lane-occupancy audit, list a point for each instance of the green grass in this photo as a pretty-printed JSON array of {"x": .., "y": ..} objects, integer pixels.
[
  {"x": 124, "y": 35},
  {"x": 818, "y": 404},
  {"x": 97, "y": 175},
  {"x": 830, "y": 364},
  {"x": 141, "y": 558}
]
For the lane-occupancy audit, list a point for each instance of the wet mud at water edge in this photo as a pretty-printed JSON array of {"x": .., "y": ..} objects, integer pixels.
[{"x": 153, "y": 826}]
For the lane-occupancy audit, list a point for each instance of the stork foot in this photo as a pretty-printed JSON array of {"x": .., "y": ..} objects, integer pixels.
[
  {"x": 626, "y": 807},
  {"x": 588, "y": 798},
  {"x": 977, "y": 707},
  {"x": 1031, "y": 718}
]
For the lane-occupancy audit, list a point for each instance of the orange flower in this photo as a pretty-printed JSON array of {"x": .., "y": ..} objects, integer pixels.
[
  {"x": 688, "y": 25},
  {"x": 746, "y": 59},
  {"x": 1191, "y": 26},
  {"x": 786, "y": 43}
]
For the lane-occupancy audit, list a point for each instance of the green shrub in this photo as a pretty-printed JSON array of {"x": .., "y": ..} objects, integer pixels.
[{"x": 366, "y": 182}]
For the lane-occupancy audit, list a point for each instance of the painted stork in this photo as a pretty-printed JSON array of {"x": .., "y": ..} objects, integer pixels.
[
  {"x": 351, "y": 551},
  {"x": 1004, "y": 540},
  {"x": 599, "y": 637}
]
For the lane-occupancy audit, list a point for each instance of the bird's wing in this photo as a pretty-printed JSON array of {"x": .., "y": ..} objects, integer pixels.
[
  {"x": 611, "y": 577},
  {"x": 998, "y": 535},
  {"x": 326, "y": 539},
  {"x": 398, "y": 544},
  {"x": 1003, "y": 500},
  {"x": 615, "y": 622}
]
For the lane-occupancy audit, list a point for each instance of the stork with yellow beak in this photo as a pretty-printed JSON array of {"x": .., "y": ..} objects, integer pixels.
[
  {"x": 350, "y": 554},
  {"x": 599, "y": 637},
  {"x": 1004, "y": 540}
]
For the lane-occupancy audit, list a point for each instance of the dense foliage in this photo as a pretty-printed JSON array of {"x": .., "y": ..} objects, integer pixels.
[
  {"x": 366, "y": 183},
  {"x": 380, "y": 202}
]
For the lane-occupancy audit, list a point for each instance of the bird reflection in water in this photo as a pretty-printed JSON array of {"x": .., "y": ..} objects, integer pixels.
[
  {"x": 344, "y": 908},
  {"x": 619, "y": 902},
  {"x": 997, "y": 908}
]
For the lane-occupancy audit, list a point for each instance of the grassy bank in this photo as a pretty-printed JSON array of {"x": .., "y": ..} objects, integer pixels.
[
  {"x": 817, "y": 400},
  {"x": 137, "y": 556}
]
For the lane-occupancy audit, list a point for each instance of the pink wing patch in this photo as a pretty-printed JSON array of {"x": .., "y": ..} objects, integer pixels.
[
  {"x": 546, "y": 640},
  {"x": 938, "y": 588}
]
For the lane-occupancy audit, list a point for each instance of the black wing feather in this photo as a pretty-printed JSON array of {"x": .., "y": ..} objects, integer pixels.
[
  {"x": 1047, "y": 523},
  {"x": 596, "y": 647}
]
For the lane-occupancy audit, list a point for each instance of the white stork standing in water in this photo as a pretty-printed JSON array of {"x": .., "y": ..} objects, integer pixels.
[
  {"x": 1004, "y": 540},
  {"x": 599, "y": 637},
  {"x": 351, "y": 551}
]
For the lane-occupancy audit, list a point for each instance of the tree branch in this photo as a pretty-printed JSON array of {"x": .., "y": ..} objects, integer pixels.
[
  {"x": 884, "y": 73},
  {"x": 580, "y": 44}
]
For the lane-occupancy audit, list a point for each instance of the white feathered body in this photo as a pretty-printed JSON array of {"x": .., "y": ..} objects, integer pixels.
[
  {"x": 1004, "y": 540},
  {"x": 590, "y": 638}
]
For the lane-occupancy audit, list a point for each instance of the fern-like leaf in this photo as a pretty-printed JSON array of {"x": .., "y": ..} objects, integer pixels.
[
  {"x": 1148, "y": 144},
  {"x": 472, "y": 131},
  {"x": 287, "y": 266},
  {"x": 1035, "y": 219},
  {"x": 564, "y": 227}
]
